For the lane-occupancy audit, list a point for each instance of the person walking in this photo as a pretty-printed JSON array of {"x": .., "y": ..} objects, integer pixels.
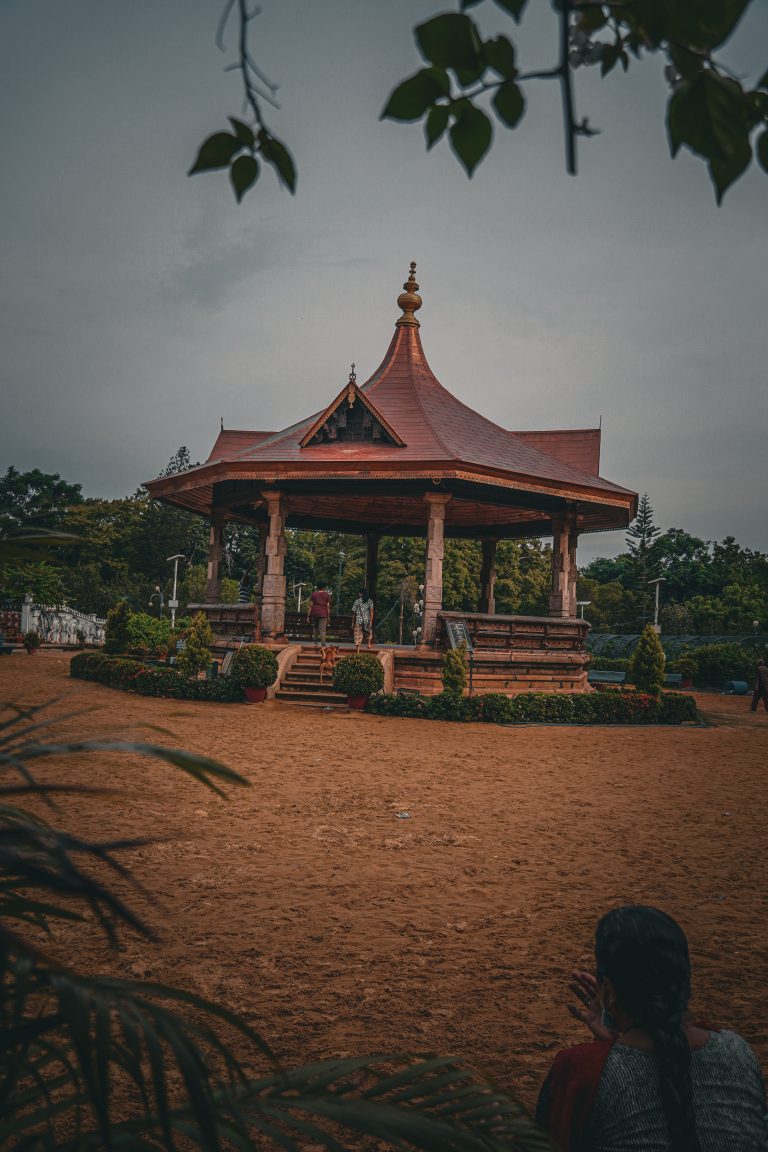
[
  {"x": 761, "y": 685},
  {"x": 362, "y": 619},
  {"x": 319, "y": 612}
]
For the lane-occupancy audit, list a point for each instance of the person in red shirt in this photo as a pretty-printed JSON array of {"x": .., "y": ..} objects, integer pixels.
[{"x": 319, "y": 612}]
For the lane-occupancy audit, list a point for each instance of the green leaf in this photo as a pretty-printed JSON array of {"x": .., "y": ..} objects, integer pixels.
[
  {"x": 509, "y": 103},
  {"x": 724, "y": 170},
  {"x": 243, "y": 174},
  {"x": 763, "y": 82},
  {"x": 216, "y": 152},
  {"x": 276, "y": 154},
  {"x": 437, "y": 122},
  {"x": 513, "y": 7},
  {"x": 469, "y": 4},
  {"x": 500, "y": 54},
  {"x": 411, "y": 99},
  {"x": 704, "y": 24},
  {"x": 243, "y": 131},
  {"x": 451, "y": 41},
  {"x": 709, "y": 115},
  {"x": 471, "y": 136},
  {"x": 762, "y": 151},
  {"x": 609, "y": 57}
]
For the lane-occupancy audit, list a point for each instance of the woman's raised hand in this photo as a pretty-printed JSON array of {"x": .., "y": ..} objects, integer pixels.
[{"x": 585, "y": 987}]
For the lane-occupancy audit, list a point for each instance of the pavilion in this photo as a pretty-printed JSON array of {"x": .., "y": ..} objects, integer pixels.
[{"x": 401, "y": 455}]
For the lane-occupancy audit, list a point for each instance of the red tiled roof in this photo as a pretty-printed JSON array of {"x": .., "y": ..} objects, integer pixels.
[
  {"x": 579, "y": 447},
  {"x": 230, "y": 441},
  {"x": 437, "y": 429}
]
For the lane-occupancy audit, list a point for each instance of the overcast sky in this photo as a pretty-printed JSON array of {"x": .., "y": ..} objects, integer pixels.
[{"x": 139, "y": 306}]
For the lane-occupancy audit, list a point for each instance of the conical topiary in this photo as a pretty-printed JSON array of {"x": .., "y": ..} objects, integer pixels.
[
  {"x": 646, "y": 668},
  {"x": 196, "y": 657},
  {"x": 455, "y": 670}
]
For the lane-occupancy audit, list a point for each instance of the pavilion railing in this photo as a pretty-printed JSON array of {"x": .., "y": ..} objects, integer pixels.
[{"x": 513, "y": 634}]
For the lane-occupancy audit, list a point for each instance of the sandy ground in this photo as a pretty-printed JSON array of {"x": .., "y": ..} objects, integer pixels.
[{"x": 308, "y": 904}]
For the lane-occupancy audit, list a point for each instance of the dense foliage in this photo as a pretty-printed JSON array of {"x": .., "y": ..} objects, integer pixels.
[
  {"x": 116, "y": 630},
  {"x": 359, "y": 675},
  {"x": 253, "y": 666},
  {"x": 609, "y": 707},
  {"x": 149, "y": 680},
  {"x": 646, "y": 667}
]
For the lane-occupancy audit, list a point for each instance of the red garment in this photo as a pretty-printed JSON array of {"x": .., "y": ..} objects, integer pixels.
[
  {"x": 570, "y": 1091},
  {"x": 320, "y": 600}
]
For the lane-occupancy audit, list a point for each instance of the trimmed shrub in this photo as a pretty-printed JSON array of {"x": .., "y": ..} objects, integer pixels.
[
  {"x": 148, "y": 632},
  {"x": 396, "y": 705},
  {"x": 253, "y": 666},
  {"x": 544, "y": 708},
  {"x": 133, "y": 676},
  {"x": 31, "y": 640},
  {"x": 359, "y": 675},
  {"x": 455, "y": 670},
  {"x": 117, "y": 628},
  {"x": 196, "y": 656},
  {"x": 646, "y": 668}
]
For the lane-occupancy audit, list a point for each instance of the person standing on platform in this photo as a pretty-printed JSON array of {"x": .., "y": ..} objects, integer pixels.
[
  {"x": 319, "y": 612},
  {"x": 362, "y": 618},
  {"x": 761, "y": 685}
]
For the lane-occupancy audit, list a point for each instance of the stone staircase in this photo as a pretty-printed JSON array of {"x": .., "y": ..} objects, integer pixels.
[{"x": 301, "y": 685}]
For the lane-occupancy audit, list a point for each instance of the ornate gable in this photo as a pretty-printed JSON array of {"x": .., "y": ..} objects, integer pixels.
[{"x": 351, "y": 418}]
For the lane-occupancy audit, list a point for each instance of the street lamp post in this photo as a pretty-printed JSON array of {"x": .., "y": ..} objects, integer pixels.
[
  {"x": 157, "y": 594},
  {"x": 583, "y": 604},
  {"x": 658, "y": 581},
  {"x": 297, "y": 593},
  {"x": 173, "y": 602}
]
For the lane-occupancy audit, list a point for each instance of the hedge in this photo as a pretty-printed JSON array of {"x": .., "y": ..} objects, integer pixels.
[
  {"x": 543, "y": 708},
  {"x": 133, "y": 676}
]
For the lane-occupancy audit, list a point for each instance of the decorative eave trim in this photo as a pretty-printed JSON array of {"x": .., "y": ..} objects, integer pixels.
[{"x": 350, "y": 392}]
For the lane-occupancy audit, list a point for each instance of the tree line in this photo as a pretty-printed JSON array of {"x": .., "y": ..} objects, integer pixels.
[{"x": 121, "y": 547}]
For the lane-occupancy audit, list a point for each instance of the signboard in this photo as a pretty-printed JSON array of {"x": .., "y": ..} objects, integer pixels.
[{"x": 458, "y": 633}]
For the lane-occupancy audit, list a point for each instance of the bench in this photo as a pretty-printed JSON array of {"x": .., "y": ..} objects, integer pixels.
[{"x": 673, "y": 679}]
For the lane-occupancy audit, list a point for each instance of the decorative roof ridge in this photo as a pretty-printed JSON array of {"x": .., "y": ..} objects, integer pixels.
[{"x": 350, "y": 392}]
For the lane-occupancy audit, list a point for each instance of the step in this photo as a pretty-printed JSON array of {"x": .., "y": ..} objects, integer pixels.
[{"x": 300, "y": 696}]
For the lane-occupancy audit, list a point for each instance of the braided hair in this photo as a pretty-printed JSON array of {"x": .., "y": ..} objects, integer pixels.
[{"x": 644, "y": 953}]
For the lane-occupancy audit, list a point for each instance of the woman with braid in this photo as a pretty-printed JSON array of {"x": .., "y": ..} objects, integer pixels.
[{"x": 650, "y": 1080}]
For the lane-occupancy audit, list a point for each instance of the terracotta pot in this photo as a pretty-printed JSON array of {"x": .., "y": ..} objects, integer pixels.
[
  {"x": 686, "y": 683},
  {"x": 255, "y": 695},
  {"x": 357, "y": 702}
]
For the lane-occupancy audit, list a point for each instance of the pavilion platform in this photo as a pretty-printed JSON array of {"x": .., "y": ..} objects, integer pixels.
[{"x": 512, "y": 654}]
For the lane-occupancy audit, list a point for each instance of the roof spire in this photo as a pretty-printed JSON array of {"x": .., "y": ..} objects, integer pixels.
[{"x": 409, "y": 300}]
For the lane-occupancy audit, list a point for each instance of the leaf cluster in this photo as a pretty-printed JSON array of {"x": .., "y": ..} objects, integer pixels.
[
  {"x": 243, "y": 151},
  {"x": 460, "y": 66}
]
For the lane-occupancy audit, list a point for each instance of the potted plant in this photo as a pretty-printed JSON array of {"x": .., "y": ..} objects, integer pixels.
[
  {"x": 31, "y": 643},
  {"x": 254, "y": 669},
  {"x": 359, "y": 677}
]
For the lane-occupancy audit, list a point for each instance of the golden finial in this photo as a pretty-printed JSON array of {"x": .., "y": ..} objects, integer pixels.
[
  {"x": 409, "y": 300},
  {"x": 351, "y": 386}
]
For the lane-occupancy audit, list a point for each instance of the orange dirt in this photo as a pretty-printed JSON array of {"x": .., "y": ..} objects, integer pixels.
[{"x": 336, "y": 927}]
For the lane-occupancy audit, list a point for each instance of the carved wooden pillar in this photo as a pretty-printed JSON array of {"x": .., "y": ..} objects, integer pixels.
[
  {"x": 372, "y": 563},
  {"x": 215, "y": 552},
  {"x": 562, "y": 600},
  {"x": 258, "y": 584},
  {"x": 273, "y": 582},
  {"x": 573, "y": 539},
  {"x": 487, "y": 601},
  {"x": 433, "y": 576}
]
